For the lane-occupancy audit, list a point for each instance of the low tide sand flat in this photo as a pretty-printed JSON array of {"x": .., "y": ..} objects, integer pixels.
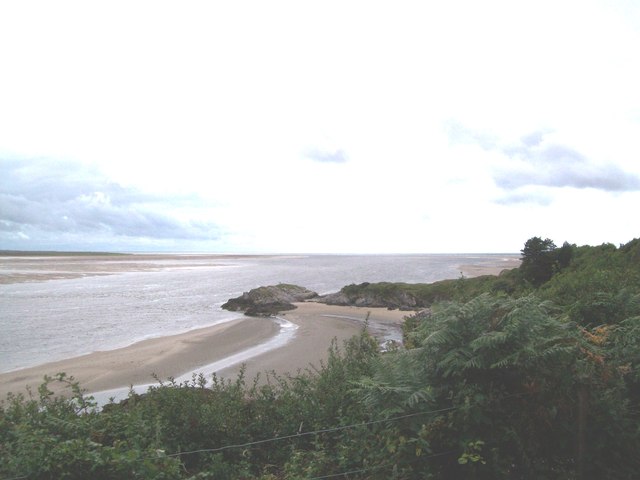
[
  {"x": 39, "y": 268},
  {"x": 501, "y": 263}
]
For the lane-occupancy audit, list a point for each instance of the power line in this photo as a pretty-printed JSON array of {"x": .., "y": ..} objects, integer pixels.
[
  {"x": 326, "y": 430},
  {"x": 377, "y": 467},
  {"x": 313, "y": 432},
  {"x": 350, "y": 472}
]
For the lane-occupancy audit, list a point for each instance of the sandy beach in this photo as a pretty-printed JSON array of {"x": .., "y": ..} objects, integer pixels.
[
  {"x": 174, "y": 355},
  {"x": 318, "y": 325}
]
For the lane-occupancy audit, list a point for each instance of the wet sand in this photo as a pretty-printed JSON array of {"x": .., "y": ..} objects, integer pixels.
[
  {"x": 318, "y": 324},
  {"x": 179, "y": 354},
  {"x": 25, "y": 267},
  {"x": 500, "y": 264},
  {"x": 137, "y": 363}
]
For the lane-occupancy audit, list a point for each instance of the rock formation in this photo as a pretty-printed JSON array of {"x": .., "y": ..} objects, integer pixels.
[
  {"x": 269, "y": 300},
  {"x": 387, "y": 295}
]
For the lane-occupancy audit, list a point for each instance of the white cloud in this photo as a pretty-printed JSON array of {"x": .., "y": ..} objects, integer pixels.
[
  {"x": 406, "y": 108},
  {"x": 79, "y": 204}
]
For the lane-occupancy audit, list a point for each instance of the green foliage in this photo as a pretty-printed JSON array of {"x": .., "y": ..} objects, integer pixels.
[
  {"x": 525, "y": 375},
  {"x": 181, "y": 430},
  {"x": 538, "y": 259},
  {"x": 476, "y": 359},
  {"x": 423, "y": 295},
  {"x": 53, "y": 438},
  {"x": 503, "y": 376},
  {"x": 601, "y": 285}
]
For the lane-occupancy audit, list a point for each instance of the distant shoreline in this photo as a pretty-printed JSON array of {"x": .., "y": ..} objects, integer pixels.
[
  {"x": 470, "y": 270},
  {"x": 60, "y": 253},
  {"x": 49, "y": 253},
  {"x": 65, "y": 265},
  {"x": 16, "y": 271},
  {"x": 54, "y": 253}
]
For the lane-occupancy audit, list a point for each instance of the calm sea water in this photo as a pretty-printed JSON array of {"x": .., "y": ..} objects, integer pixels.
[{"x": 56, "y": 319}]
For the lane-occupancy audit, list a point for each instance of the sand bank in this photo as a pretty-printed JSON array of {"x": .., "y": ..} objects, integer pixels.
[
  {"x": 490, "y": 268},
  {"x": 178, "y": 354},
  {"x": 39, "y": 268}
]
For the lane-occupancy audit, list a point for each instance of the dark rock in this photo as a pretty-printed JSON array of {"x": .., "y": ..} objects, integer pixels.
[
  {"x": 372, "y": 295},
  {"x": 267, "y": 301}
]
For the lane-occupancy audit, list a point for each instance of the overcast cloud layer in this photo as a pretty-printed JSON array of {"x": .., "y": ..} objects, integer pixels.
[
  {"x": 54, "y": 204},
  {"x": 330, "y": 127}
]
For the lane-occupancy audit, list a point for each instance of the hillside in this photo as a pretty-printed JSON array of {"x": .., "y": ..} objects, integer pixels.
[{"x": 531, "y": 374}]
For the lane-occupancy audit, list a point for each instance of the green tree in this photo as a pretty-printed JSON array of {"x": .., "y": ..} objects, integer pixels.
[
  {"x": 538, "y": 260},
  {"x": 514, "y": 389},
  {"x": 564, "y": 255}
]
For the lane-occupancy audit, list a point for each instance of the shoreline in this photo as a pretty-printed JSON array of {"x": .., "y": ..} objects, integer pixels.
[
  {"x": 137, "y": 363},
  {"x": 318, "y": 325},
  {"x": 179, "y": 355}
]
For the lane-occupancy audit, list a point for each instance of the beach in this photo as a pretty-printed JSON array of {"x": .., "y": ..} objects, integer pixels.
[
  {"x": 175, "y": 355},
  {"x": 314, "y": 325}
]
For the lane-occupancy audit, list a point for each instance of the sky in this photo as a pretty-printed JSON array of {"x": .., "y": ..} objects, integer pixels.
[{"x": 318, "y": 127}]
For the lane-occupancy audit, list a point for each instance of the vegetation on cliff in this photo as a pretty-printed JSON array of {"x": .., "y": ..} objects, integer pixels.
[
  {"x": 412, "y": 296},
  {"x": 517, "y": 376}
]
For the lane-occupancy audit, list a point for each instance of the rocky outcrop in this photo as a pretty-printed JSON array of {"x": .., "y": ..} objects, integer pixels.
[
  {"x": 266, "y": 301},
  {"x": 269, "y": 300},
  {"x": 387, "y": 295}
]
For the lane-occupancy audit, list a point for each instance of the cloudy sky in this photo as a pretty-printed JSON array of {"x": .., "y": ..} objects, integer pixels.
[{"x": 253, "y": 126}]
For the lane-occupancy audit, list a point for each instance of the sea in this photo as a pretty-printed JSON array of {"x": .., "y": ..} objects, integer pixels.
[{"x": 156, "y": 295}]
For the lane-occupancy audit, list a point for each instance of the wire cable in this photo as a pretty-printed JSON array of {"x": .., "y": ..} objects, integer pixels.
[
  {"x": 377, "y": 467},
  {"x": 313, "y": 432}
]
